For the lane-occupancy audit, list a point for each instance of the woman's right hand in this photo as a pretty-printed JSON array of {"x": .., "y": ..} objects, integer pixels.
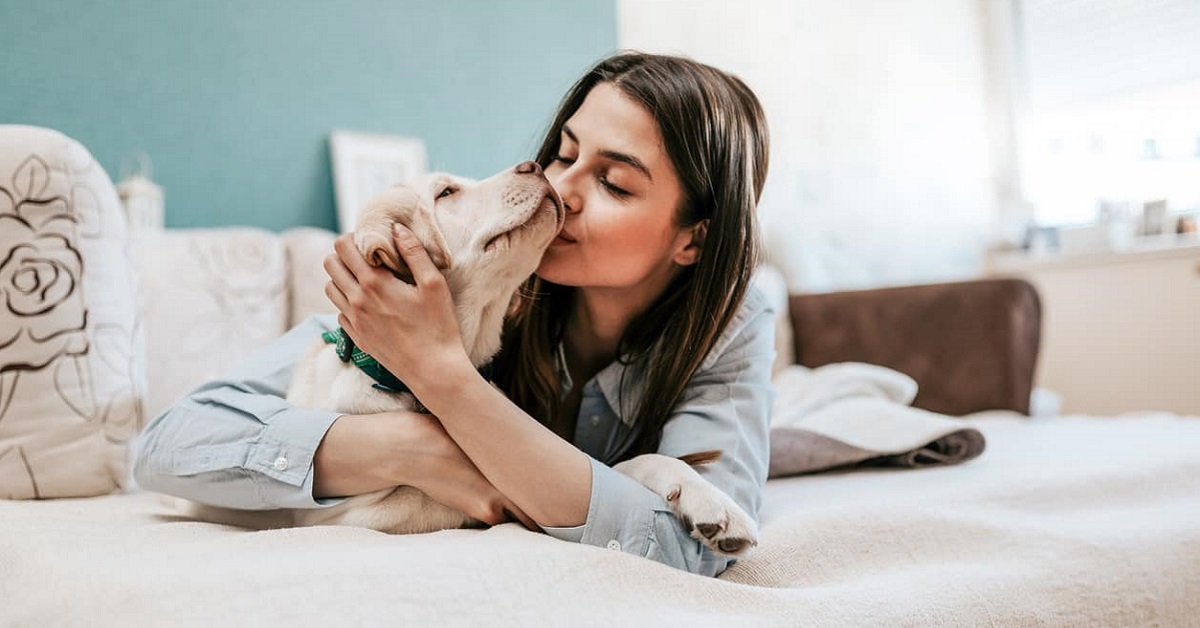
[
  {"x": 442, "y": 471},
  {"x": 369, "y": 452}
]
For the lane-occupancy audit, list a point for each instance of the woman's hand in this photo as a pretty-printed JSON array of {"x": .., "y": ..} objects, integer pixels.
[
  {"x": 450, "y": 478},
  {"x": 370, "y": 452},
  {"x": 410, "y": 329}
]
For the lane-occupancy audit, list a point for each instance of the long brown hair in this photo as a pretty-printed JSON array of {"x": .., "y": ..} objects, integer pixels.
[{"x": 715, "y": 134}]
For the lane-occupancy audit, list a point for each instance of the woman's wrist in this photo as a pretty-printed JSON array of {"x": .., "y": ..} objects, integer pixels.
[{"x": 443, "y": 375}]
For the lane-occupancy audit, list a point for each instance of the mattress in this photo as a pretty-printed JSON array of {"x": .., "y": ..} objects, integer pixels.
[{"x": 1062, "y": 521}]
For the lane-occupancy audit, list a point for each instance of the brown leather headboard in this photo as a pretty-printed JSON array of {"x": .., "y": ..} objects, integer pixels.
[{"x": 970, "y": 345}]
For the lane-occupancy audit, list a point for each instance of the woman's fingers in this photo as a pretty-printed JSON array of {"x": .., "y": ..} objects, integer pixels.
[
  {"x": 336, "y": 296},
  {"x": 342, "y": 279},
  {"x": 351, "y": 258},
  {"x": 419, "y": 264},
  {"x": 444, "y": 473},
  {"x": 345, "y": 324},
  {"x": 496, "y": 509},
  {"x": 521, "y": 517},
  {"x": 339, "y": 284}
]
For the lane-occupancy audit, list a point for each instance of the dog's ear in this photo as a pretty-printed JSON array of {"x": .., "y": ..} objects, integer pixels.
[{"x": 373, "y": 232}]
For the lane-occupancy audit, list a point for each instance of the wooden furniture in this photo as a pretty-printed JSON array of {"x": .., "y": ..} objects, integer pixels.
[{"x": 1121, "y": 329}]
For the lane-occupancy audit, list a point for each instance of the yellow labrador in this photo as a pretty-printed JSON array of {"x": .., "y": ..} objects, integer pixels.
[{"x": 486, "y": 237}]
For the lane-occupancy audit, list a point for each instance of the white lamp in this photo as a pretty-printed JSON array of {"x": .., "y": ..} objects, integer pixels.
[{"x": 142, "y": 197}]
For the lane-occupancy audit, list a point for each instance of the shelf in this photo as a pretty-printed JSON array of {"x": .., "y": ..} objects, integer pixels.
[{"x": 1143, "y": 249}]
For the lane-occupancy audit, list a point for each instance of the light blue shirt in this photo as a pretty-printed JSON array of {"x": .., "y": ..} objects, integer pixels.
[{"x": 236, "y": 442}]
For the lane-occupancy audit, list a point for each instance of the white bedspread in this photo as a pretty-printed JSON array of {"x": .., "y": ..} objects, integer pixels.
[{"x": 1066, "y": 521}]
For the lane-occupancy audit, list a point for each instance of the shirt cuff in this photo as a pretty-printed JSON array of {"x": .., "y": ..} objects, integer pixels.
[
  {"x": 620, "y": 513},
  {"x": 284, "y": 453},
  {"x": 626, "y": 516}
]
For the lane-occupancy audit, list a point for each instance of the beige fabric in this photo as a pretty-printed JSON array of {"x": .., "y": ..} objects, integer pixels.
[
  {"x": 210, "y": 298},
  {"x": 306, "y": 249},
  {"x": 852, "y": 413},
  {"x": 1065, "y": 522},
  {"x": 71, "y": 364},
  {"x": 773, "y": 284}
]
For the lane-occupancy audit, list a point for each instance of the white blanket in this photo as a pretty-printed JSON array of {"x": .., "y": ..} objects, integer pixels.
[
  {"x": 852, "y": 413},
  {"x": 1067, "y": 521}
]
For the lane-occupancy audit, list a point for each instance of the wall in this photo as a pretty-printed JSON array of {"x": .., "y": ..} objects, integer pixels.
[
  {"x": 881, "y": 171},
  {"x": 234, "y": 100}
]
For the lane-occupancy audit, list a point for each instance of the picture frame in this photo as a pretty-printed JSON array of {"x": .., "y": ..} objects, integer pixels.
[
  {"x": 365, "y": 164},
  {"x": 1154, "y": 218}
]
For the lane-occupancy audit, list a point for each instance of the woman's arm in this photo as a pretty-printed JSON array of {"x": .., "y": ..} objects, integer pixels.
[
  {"x": 546, "y": 477},
  {"x": 725, "y": 407},
  {"x": 565, "y": 491},
  {"x": 236, "y": 442}
]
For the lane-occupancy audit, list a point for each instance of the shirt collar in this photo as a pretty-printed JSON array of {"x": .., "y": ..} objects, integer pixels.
[{"x": 608, "y": 380}]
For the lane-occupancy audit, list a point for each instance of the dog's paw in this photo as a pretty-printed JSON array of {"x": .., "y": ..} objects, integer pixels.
[{"x": 712, "y": 517}]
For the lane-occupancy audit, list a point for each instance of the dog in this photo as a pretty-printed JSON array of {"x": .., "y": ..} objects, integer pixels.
[{"x": 486, "y": 237}]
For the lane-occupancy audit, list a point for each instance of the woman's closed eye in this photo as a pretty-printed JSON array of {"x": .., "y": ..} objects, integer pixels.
[{"x": 614, "y": 190}]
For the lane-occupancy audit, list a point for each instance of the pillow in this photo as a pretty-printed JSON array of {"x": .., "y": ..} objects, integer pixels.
[
  {"x": 71, "y": 360},
  {"x": 306, "y": 250},
  {"x": 771, "y": 281},
  {"x": 211, "y": 298}
]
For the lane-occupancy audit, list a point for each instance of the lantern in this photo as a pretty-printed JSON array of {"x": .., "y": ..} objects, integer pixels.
[{"x": 141, "y": 196}]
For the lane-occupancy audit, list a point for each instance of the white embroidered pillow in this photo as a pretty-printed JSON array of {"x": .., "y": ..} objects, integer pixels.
[
  {"x": 307, "y": 248},
  {"x": 210, "y": 299},
  {"x": 71, "y": 360}
]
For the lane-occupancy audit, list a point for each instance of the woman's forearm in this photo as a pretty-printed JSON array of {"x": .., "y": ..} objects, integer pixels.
[
  {"x": 544, "y": 475},
  {"x": 359, "y": 454}
]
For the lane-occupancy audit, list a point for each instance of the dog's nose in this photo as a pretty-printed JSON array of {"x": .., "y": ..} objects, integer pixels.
[{"x": 528, "y": 167}]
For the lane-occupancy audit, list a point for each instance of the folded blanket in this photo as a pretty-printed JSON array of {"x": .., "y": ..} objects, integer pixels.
[{"x": 858, "y": 414}]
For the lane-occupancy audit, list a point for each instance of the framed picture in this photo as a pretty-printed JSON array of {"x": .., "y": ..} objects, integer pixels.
[{"x": 365, "y": 165}]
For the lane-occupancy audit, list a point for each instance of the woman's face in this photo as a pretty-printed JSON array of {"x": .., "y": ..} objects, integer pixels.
[{"x": 622, "y": 195}]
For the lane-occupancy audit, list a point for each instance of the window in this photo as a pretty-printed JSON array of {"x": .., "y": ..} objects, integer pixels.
[{"x": 1109, "y": 113}]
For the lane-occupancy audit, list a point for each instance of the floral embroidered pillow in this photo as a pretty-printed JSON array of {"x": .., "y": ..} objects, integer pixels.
[{"x": 72, "y": 370}]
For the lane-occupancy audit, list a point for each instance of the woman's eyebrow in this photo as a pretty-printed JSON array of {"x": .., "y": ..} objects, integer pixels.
[{"x": 613, "y": 155}]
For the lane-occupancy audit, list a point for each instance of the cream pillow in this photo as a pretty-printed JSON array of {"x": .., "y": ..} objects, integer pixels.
[
  {"x": 71, "y": 359},
  {"x": 771, "y": 281},
  {"x": 210, "y": 299},
  {"x": 307, "y": 248}
]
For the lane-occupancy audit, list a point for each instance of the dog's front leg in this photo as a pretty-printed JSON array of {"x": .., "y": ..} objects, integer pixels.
[{"x": 712, "y": 517}]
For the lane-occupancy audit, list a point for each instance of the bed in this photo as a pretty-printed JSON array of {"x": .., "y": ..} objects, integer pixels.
[
  {"x": 1080, "y": 521},
  {"x": 1057, "y": 521}
]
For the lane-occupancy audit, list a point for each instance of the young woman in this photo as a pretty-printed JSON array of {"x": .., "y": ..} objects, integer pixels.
[{"x": 639, "y": 333}]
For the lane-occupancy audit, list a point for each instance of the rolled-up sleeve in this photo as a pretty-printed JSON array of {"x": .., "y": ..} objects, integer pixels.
[
  {"x": 236, "y": 442},
  {"x": 725, "y": 407}
]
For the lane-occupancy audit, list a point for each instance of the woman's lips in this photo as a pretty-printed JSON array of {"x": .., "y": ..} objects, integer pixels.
[{"x": 564, "y": 237}]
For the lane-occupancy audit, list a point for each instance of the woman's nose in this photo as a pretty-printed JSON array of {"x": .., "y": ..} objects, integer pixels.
[{"x": 563, "y": 183}]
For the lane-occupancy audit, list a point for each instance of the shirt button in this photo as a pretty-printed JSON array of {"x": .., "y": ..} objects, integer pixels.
[
  {"x": 595, "y": 420},
  {"x": 614, "y": 545},
  {"x": 280, "y": 464}
]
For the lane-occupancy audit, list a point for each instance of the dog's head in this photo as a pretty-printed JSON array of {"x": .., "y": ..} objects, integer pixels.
[{"x": 486, "y": 237}]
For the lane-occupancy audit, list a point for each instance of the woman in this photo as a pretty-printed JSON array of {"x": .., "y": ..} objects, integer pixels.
[{"x": 638, "y": 333}]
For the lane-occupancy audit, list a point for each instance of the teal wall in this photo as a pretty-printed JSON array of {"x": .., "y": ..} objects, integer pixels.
[{"x": 234, "y": 100}]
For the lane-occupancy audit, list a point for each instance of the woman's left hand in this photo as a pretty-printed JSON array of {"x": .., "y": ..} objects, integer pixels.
[{"x": 410, "y": 329}]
